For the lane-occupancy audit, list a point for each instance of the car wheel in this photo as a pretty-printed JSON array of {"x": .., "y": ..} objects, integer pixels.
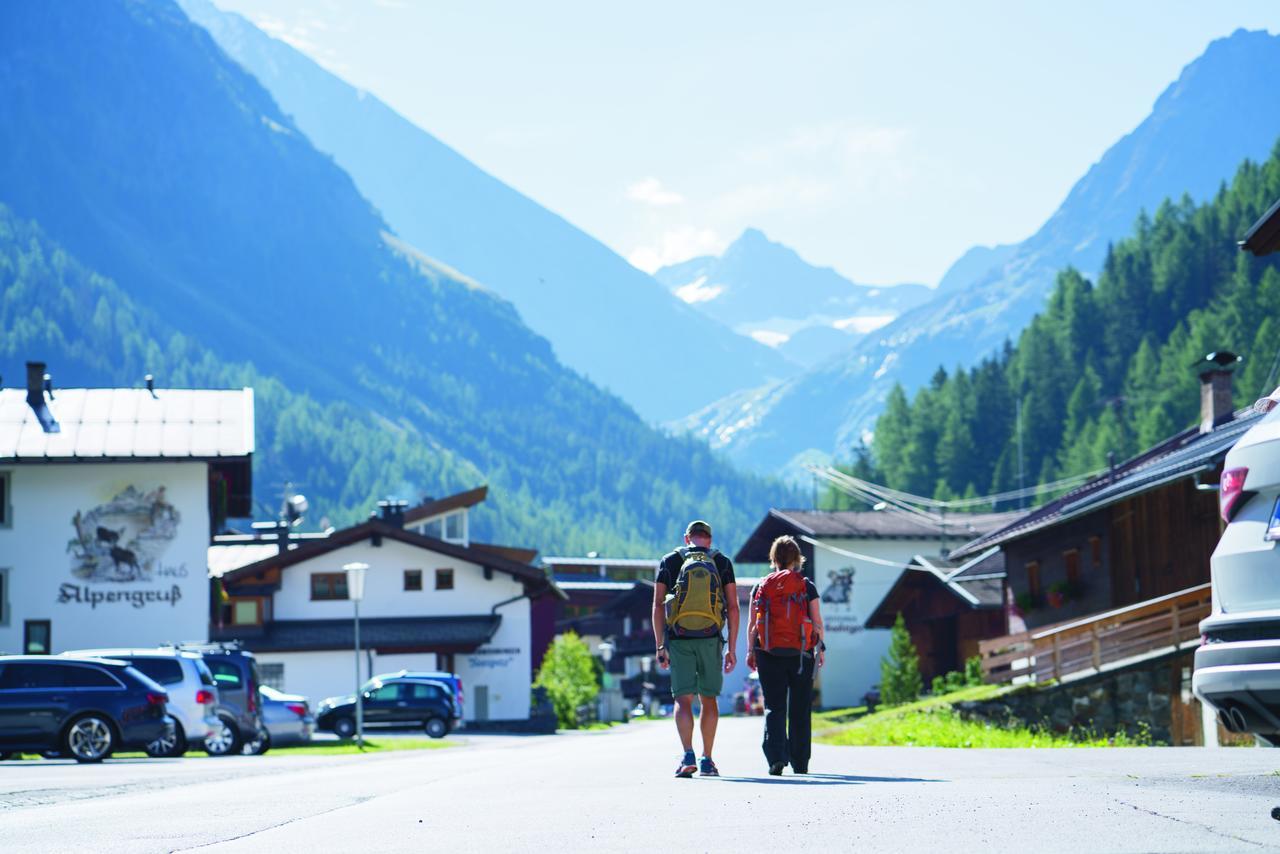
[
  {"x": 437, "y": 728},
  {"x": 224, "y": 740},
  {"x": 344, "y": 727},
  {"x": 89, "y": 738},
  {"x": 260, "y": 744},
  {"x": 171, "y": 745}
]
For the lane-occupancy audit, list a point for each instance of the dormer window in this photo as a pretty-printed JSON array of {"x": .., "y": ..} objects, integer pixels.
[{"x": 451, "y": 527}]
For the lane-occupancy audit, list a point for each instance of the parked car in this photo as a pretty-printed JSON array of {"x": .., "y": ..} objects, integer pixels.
[
  {"x": 235, "y": 673},
  {"x": 190, "y": 685},
  {"x": 1237, "y": 666},
  {"x": 453, "y": 680},
  {"x": 85, "y": 708},
  {"x": 398, "y": 701},
  {"x": 287, "y": 717}
]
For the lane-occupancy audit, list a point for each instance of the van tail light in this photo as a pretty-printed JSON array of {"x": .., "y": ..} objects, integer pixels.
[
  {"x": 204, "y": 698},
  {"x": 298, "y": 709},
  {"x": 253, "y": 697},
  {"x": 1231, "y": 492},
  {"x": 157, "y": 699}
]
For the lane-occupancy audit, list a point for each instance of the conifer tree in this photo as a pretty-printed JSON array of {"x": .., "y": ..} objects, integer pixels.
[{"x": 900, "y": 680}]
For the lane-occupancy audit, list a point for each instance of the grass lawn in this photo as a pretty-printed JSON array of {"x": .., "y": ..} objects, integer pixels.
[{"x": 932, "y": 722}]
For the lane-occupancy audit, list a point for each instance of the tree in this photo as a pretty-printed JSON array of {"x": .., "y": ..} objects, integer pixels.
[
  {"x": 900, "y": 680},
  {"x": 569, "y": 677}
]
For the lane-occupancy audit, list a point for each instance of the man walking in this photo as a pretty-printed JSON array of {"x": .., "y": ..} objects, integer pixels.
[{"x": 694, "y": 596}]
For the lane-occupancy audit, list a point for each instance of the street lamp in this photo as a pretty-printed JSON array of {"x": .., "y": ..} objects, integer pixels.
[{"x": 355, "y": 590}]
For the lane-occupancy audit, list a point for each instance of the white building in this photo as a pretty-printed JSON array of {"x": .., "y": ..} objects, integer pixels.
[
  {"x": 429, "y": 604},
  {"x": 854, "y": 558},
  {"x": 107, "y": 497}
]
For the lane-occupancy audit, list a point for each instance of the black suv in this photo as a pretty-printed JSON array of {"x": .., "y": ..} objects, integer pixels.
[
  {"x": 235, "y": 672},
  {"x": 85, "y": 708},
  {"x": 394, "y": 702}
]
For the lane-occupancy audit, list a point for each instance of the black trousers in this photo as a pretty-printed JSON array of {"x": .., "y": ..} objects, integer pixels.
[{"x": 787, "y": 682}]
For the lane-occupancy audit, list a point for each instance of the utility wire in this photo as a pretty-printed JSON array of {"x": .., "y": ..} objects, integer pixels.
[{"x": 915, "y": 503}]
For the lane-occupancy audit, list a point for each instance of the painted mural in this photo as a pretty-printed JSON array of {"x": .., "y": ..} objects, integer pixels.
[
  {"x": 837, "y": 602},
  {"x": 125, "y": 539}
]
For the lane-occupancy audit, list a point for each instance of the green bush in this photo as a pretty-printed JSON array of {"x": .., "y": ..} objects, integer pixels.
[
  {"x": 973, "y": 670},
  {"x": 568, "y": 673},
  {"x": 900, "y": 680}
]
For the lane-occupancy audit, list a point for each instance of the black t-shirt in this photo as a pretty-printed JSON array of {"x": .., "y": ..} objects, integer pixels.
[{"x": 669, "y": 569}]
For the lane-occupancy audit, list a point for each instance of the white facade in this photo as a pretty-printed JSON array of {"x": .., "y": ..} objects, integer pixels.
[
  {"x": 851, "y": 589},
  {"x": 496, "y": 677},
  {"x": 110, "y": 554}
]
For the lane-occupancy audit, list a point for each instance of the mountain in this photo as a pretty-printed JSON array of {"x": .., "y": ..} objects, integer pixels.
[
  {"x": 1190, "y": 143},
  {"x": 163, "y": 215},
  {"x": 602, "y": 316},
  {"x": 765, "y": 290},
  {"x": 1104, "y": 370}
]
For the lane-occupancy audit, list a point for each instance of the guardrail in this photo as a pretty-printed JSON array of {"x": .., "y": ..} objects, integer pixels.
[{"x": 1090, "y": 643}]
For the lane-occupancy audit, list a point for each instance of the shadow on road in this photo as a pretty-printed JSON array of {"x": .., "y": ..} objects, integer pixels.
[{"x": 827, "y": 780}]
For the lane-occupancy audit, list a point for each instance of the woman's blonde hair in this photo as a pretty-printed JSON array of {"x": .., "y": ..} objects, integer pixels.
[{"x": 785, "y": 553}]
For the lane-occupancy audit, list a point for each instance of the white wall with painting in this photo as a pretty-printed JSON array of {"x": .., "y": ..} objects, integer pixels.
[{"x": 103, "y": 554}]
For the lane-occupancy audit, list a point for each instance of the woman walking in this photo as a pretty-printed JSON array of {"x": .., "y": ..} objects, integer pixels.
[{"x": 785, "y": 632}]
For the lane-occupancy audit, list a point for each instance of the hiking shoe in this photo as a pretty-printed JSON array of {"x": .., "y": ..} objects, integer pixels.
[
  {"x": 775, "y": 770},
  {"x": 687, "y": 765},
  {"x": 799, "y": 769},
  {"x": 708, "y": 768}
]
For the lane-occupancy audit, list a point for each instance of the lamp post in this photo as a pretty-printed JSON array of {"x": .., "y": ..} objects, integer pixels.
[
  {"x": 355, "y": 590},
  {"x": 606, "y": 697}
]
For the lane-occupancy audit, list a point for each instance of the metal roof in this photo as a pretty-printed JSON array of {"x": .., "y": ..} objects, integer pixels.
[
  {"x": 870, "y": 524},
  {"x": 629, "y": 562},
  {"x": 226, "y": 557},
  {"x": 128, "y": 424},
  {"x": 1185, "y": 454},
  {"x": 463, "y": 633}
]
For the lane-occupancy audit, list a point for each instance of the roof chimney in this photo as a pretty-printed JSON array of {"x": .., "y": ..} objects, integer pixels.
[
  {"x": 392, "y": 510},
  {"x": 38, "y": 382},
  {"x": 1216, "y": 407}
]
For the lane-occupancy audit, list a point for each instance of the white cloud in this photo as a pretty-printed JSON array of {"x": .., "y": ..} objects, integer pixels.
[
  {"x": 676, "y": 245},
  {"x": 699, "y": 291},
  {"x": 651, "y": 192}
]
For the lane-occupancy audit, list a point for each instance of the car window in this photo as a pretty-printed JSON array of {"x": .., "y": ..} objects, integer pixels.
[
  {"x": 78, "y": 676},
  {"x": 166, "y": 671},
  {"x": 206, "y": 675},
  {"x": 30, "y": 675},
  {"x": 426, "y": 692},
  {"x": 387, "y": 693},
  {"x": 226, "y": 675}
]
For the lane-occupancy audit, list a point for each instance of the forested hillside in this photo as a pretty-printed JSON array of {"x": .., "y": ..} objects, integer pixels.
[
  {"x": 164, "y": 216},
  {"x": 1105, "y": 368}
]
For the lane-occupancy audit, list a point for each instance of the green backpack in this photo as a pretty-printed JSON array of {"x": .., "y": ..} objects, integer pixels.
[{"x": 695, "y": 606}]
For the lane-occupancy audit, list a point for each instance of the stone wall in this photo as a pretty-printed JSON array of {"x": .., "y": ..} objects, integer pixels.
[{"x": 1137, "y": 700}]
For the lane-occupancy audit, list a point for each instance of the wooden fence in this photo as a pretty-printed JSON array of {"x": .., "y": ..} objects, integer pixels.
[{"x": 1053, "y": 652}]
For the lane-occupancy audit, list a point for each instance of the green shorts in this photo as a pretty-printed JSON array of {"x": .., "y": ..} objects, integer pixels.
[{"x": 697, "y": 666}]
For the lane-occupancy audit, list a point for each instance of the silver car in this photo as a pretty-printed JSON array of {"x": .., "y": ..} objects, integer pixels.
[
  {"x": 288, "y": 720},
  {"x": 1238, "y": 662},
  {"x": 193, "y": 696}
]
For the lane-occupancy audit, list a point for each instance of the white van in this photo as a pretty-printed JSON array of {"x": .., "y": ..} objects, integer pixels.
[{"x": 1238, "y": 662}]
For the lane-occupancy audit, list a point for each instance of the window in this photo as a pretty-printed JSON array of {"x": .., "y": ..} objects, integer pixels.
[
  {"x": 166, "y": 671},
  {"x": 272, "y": 675},
  {"x": 328, "y": 585},
  {"x": 27, "y": 676},
  {"x": 454, "y": 527},
  {"x": 413, "y": 579},
  {"x": 87, "y": 677},
  {"x": 4, "y": 597},
  {"x": 6, "y": 512},
  {"x": 246, "y": 612},
  {"x": 37, "y": 637},
  {"x": 1095, "y": 551},
  {"x": 421, "y": 691},
  {"x": 444, "y": 579},
  {"x": 386, "y": 694},
  {"x": 226, "y": 675},
  {"x": 1071, "y": 559},
  {"x": 434, "y": 528},
  {"x": 1033, "y": 578}
]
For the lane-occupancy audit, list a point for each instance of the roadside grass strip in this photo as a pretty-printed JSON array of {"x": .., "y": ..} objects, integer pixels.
[{"x": 932, "y": 722}]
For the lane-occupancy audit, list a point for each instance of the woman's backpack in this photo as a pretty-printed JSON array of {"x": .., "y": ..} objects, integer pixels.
[
  {"x": 695, "y": 606},
  {"x": 781, "y": 603}
]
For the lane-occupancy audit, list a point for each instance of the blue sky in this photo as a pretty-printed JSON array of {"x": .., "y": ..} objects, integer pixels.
[{"x": 880, "y": 139}]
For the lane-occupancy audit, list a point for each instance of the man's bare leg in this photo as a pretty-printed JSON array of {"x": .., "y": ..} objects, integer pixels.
[
  {"x": 684, "y": 720},
  {"x": 707, "y": 722}
]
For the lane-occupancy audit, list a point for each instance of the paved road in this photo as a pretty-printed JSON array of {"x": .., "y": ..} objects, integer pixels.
[{"x": 610, "y": 791}]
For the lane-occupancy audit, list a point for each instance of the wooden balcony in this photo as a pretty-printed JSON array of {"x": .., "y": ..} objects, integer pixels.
[{"x": 1100, "y": 642}]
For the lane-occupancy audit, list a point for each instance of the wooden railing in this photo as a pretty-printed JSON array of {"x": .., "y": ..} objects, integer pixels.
[{"x": 1090, "y": 643}]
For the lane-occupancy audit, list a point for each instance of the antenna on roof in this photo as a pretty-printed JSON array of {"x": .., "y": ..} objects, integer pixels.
[
  {"x": 151, "y": 384},
  {"x": 48, "y": 385}
]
